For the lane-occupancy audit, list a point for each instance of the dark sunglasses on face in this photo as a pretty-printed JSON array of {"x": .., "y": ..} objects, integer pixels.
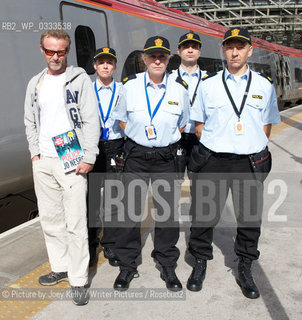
[{"x": 51, "y": 53}]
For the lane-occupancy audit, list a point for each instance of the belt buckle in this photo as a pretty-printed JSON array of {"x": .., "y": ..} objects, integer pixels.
[{"x": 237, "y": 156}]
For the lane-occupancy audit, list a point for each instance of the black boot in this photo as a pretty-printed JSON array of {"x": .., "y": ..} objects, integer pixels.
[
  {"x": 109, "y": 254},
  {"x": 93, "y": 242},
  {"x": 245, "y": 279},
  {"x": 169, "y": 276},
  {"x": 123, "y": 280},
  {"x": 197, "y": 276}
]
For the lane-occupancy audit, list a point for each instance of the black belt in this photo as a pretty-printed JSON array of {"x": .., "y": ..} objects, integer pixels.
[
  {"x": 109, "y": 144},
  {"x": 111, "y": 141},
  {"x": 138, "y": 151},
  {"x": 226, "y": 155},
  {"x": 188, "y": 136}
]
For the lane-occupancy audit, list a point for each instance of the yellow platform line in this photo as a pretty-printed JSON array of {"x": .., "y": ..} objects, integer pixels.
[
  {"x": 25, "y": 309},
  {"x": 279, "y": 127}
]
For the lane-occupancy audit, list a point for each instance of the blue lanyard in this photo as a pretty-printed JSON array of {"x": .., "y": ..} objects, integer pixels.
[
  {"x": 148, "y": 101},
  {"x": 110, "y": 104}
]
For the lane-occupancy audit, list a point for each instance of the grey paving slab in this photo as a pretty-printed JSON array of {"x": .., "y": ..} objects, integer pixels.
[{"x": 278, "y": 272}]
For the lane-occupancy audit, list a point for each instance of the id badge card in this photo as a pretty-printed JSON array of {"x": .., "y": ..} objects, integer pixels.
[
  {"x": 105, "y": 133},
  {"x": 150, "y": 132},
  {"x": 239, "y": 128}
]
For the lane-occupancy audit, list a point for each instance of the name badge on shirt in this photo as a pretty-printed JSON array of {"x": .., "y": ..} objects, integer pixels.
[
  {"x": 150, "y": 132},
  {"x": 105, "y": 133},
  {"x": 239, "y": 128}
]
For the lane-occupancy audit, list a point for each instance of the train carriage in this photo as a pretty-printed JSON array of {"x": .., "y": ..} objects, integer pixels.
[{"x": 124, "y": 25}]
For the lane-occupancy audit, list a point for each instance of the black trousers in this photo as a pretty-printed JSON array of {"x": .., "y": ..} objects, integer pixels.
[
  {"x": 107, "y": 150},
  {"x": 145, "y": 165},
  {"x": 210, "y": 187},
  {"x": 187, "y": 141}
]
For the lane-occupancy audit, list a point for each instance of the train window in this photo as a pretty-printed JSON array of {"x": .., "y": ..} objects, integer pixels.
[
  {"x": 85, "y": 48},
  {"x": 281, "y": 66},
  {"x": 133, "y": 64},
  {"x": 298, "y": 75},
  {"x": 209, "y": 65},
  {"x": 174, "y": 63},
  {"x": 262, "y": 68}
]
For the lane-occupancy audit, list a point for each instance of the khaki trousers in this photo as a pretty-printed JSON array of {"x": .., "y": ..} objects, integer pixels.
[{"x": 62, "y": 210}]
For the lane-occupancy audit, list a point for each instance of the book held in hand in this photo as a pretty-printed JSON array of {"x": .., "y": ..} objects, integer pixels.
[{"x": 69, "y": 150}]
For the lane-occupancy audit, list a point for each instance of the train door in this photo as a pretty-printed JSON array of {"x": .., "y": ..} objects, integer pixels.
[
  {"x": 88, "y": 29},
  {"x": 286, "y": 76},
  {"x": 282, "y": 75},
  {"x": 279, "y": 79}
]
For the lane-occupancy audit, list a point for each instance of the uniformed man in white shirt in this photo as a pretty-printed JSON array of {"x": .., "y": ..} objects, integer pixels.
[
  {"x": 156, "y": 113},
  {"x": 233, "y": 117},
  {"x": 189, "y": 49}
]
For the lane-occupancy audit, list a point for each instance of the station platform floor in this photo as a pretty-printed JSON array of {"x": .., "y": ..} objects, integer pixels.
[{"x": 278, "y": 272}]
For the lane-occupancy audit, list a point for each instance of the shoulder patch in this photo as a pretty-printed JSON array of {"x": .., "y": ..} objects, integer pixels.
[
  {"x": 182, "y": 82},
  {"x": 126, "y": 79},
  {"x": 266, "y": 77},
  {"x": 209, "y": 75}
]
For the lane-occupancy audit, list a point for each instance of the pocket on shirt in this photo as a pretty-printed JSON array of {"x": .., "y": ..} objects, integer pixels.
[
  {"x": 134, "y": 108},
  {"x": 212, "y": 107},
  {"x": 216, "y": 110},
  {"x": 173, "y": 109},
  {"x": 135, "y": 114},
  {"x": 255, "y": 104},
  {"x": 171, "y": 114}
]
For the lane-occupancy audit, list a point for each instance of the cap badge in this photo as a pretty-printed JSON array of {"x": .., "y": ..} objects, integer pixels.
[
  {"x": 190, "y": 36},
  {"x": 106, "y": 50},
  {"x": 235, "y": 32},
  {"x": 158, "y": 42}
]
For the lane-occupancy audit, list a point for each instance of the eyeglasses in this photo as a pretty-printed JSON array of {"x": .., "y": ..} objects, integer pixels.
[{"x": 51, "y": 53}]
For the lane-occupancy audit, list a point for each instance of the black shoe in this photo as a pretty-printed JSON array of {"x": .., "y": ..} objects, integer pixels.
[
  {"x": 245, "y": 279},
  {"x": 53, "y": 278},
  {"x": 197, "y": 276},
  {"x": 123, "y": 280},
  {"x": 169, "y": 276},
  {"x": 109, "y": 254}
]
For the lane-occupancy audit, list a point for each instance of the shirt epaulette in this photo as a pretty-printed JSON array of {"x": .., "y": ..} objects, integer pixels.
[
  {"x": 208, "y": 75},
  {"x": 126, "y": 79},
  {"x": 266, "y": 77},
  {"x": 182, "y": 82}
]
